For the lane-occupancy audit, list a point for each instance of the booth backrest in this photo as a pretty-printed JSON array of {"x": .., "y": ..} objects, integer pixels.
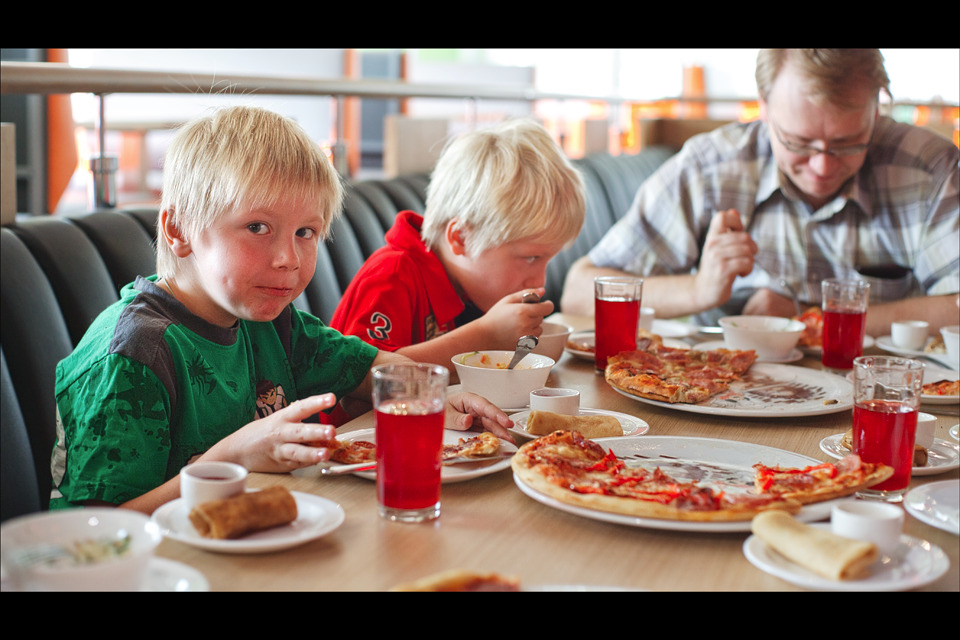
[{"x": 59, "y": 273}]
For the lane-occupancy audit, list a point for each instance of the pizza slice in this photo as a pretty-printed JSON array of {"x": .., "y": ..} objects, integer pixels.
[
  {"x": 821, "y": 482},
  {"x": 360, "y": 451},
  {"x": 942, "y": 388}
]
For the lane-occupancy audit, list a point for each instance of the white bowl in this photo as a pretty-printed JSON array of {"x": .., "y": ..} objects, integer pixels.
[
  {"x": 951, "y": 339},
  {"x": 485, "y": 373},
  {"x": 57, "y": 531},
  {"x": 771, "y": 337},
  {"x": 553, "y": 339}
]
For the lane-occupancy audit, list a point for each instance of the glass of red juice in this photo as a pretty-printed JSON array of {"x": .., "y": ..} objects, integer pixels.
[
  {"x": 617, "y": 314},
  {"x": 886, "y": 392},
  {"x": 844, "y": 321},
  {"x": 409, "y": 401}
]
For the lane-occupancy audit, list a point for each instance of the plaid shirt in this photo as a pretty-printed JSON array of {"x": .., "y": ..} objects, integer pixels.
[{"x": 901, "y": 210}]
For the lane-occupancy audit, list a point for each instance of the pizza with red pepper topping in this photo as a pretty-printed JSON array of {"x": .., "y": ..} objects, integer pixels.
[
  {"x": 578, "y": 471},
  {"x": 575, "y": 470},
  {"x": 818, "y": 483}
]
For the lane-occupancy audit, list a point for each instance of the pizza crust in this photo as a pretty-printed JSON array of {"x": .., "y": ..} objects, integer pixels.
[{"x": 541, "y": 423}]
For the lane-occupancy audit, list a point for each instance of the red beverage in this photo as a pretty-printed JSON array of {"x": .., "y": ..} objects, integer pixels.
[
  {"x": 616, "y": 324},
  {"x": 884, "y": 432},
  {"x": 409, "y": 441},
  {"x": 843, "y": 332}
]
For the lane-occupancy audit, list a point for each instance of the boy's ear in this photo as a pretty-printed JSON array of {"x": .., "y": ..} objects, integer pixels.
[
  {"x": 173, "y": 235},
  {"x": 456, "y": 238}
]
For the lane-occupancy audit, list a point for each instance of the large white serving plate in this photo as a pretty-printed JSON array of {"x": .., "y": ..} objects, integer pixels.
[
  {"x": 316, "y": 517},
  {"x": 725, "y": 463},
  {"x": 773, "y": 391}
]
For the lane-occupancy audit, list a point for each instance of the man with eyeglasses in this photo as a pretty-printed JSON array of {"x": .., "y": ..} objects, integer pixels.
[{"x": 820, "y": 186}]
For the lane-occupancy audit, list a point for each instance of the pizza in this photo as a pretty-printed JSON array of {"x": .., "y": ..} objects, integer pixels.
[
  {"x": 360, "y": 451},
  {"x": 354, "y": 452},
  {"x": 578, "y": 471},
  {"x": 462, "y": 580},
  {"x": 812, "y": 335},
  {"x": 672, "y": 375},
  {"x": 821, "y": 482},
  {"x": 942, "y": 388}
]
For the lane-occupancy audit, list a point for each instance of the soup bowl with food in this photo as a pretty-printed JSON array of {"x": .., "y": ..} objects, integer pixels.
[
  {"x": 485, "y": 373},
  {"x": 771, "y": 337},
  {"x": 553, "y": 339}
]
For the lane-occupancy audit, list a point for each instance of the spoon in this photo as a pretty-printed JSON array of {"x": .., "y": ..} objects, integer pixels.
[{"x": 525, "y": 345}]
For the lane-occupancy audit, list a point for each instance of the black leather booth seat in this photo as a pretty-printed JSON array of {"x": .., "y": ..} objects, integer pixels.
[{"x": 58, "y": 273}]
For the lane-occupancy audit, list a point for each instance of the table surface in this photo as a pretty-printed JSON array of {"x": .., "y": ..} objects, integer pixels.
[{"x": 488, "y": 524}]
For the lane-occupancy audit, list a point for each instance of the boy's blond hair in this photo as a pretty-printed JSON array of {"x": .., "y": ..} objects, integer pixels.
[
  {"x": 241, "y": 156},
  {"x": 503, "y": 184}
]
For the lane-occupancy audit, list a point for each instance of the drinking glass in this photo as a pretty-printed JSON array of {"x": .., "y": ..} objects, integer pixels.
[
  {"x": 844, "y": 320},
  {"x": 409, "y": 401},
  {"x": 617, "y": 313},
  {"x": 886, "y": 399}
]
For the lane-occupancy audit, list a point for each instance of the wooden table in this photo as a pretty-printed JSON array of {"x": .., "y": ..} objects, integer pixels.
[{"x": 488, "y": 524}]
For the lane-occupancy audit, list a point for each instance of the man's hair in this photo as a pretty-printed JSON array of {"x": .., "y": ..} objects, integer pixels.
[
  {"x": 502, "y": 184},
  {"x": 241, "y": 156},
  {"x": 832, "y": 72}
]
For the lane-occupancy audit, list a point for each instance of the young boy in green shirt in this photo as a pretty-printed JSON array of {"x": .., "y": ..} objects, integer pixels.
[{"x": 208, "y": 359}]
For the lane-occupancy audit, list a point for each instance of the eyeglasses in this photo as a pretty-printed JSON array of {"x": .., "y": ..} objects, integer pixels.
[{"x": 808, "y": 151}]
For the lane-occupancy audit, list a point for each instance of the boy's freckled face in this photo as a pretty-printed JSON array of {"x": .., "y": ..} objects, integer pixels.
[
  {"x": 505, "y": 269},
  {"x": 251, "y": 264}
]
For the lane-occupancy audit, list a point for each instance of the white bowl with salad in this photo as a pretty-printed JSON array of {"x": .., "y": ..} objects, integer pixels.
[{"x": 82, "y": 549}]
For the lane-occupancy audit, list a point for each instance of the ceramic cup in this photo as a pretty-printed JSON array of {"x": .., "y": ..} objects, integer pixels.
[
  {"x": 926, "y": 425},
  {"x": 909, "y": 334},
  {"x": 646, "y": 318},
  {"x": 204, "y": 481},
  {"x": 875, "y": 522},
  {"x": 562, "y": 401}
]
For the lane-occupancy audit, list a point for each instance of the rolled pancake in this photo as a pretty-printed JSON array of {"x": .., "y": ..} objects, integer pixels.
[
  {"x": 542, "y": 423},
  {"x": 818, "y": 550},
  {"x": 239, "y": 515}
]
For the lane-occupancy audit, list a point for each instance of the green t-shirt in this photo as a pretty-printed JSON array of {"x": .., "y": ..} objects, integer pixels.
[{"x": 151, "y": 385}]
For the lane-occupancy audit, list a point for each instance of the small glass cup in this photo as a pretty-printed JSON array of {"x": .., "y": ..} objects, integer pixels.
[
  {"x": 886, "y": 400},
  {"x": 409, "y": 402},
  {"x": 617, "y": 314},
  {"x": 844, "y": 321}
]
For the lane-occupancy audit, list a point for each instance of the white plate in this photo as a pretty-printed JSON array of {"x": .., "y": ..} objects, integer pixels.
[
  {"x": 817, "y": 350},
  {"x": 915, "y": 563},
  {"x": 316, "y": 517},
  {"x": 773, "y": 391},
  {"x": 729, "y": 462},
  {"x": 886, "y": 343},
  {"x": 632, "y": 426},
  {"x": 934, "y": 374},
  {"x": 943, "y": 456},
  {"x": 167, "y": 575},
  {"x": 588, "y": 338},
  {"x": 449, "y": 474},
  {"x": 937, "y": 504},
  {"x": 793, "y": 356},
  {"x": 674, "y": 329}
]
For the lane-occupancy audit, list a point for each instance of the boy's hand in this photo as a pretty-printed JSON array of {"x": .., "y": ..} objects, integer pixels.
[
  {"x": 511, "y": 318},
  {"x": 281, "y": 442},
  {"x": 467, "y": 410}
]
